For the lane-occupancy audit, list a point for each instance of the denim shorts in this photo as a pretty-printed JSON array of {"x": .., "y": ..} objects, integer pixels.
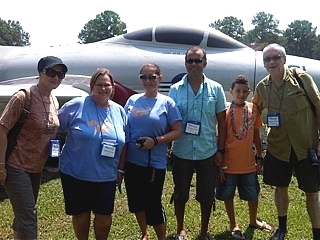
[{"x": 247, "y": 184}]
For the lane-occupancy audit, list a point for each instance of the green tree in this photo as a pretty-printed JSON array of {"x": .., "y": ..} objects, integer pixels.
[
  {"x": 106, "y": 25},
  {"x": 12, "y": 34},
  {"x": 265, "y": 30},
  {"x": 316, "y": 49},
  {"x": 230, "y": 26},
  {"x": 301, "y": 38}
]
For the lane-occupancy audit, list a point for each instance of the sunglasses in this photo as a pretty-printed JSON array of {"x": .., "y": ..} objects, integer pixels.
[
  {"x": 52, "y": 73},
  {"x": 151, "y": 77},
  {"x": 196, "y": 61},
  {"x": 274, "y": 58}
]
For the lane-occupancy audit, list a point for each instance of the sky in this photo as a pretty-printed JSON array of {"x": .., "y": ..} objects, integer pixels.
[{"x": 59, "y": 22}]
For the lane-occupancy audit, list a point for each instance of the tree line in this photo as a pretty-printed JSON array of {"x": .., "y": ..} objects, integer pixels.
[{"x": 299, "y": 38}]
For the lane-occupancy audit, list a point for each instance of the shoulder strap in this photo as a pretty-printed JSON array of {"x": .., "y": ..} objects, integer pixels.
[
  {"x": 27, "y": 104},
  {"x": 14, "y": 131},
  {"x": 296, "y": 76}
]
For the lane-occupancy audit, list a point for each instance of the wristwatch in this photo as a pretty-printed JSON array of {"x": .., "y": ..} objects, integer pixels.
[{"x": 221, "y": 150}]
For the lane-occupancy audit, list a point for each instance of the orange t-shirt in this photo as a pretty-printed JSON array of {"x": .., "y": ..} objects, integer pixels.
[{"x": 239, "y": 157}]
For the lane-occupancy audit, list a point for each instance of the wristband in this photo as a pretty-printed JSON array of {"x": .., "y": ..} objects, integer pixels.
[
  {"x": 155, "y": 140},
  {"x": 120, "y": 171}
]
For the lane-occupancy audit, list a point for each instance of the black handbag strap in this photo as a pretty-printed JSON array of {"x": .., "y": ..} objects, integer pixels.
[{"x": 14, "y": 131}]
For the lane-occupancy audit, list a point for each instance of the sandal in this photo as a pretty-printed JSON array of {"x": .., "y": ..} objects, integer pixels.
[
  {"x": 237, "y": 234},
  {"x": 264, "y": 227},
  {"x": 180, "y": 237}
]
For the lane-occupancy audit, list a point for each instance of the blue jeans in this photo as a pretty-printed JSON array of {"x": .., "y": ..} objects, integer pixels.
[{"x": 22, "y": 189}]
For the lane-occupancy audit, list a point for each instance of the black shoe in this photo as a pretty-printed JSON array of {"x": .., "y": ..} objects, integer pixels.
[{"x": 280, "y": 234}]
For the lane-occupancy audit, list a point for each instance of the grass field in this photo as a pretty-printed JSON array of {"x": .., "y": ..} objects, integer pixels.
[{"x": 55, "y": 224}]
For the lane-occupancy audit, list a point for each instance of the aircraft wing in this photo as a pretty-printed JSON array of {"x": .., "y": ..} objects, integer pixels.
[{"x": 72, "y": 86}]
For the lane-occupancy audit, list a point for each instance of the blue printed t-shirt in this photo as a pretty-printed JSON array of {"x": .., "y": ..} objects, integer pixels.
[
  {"x": 88, "y": 125},
  {"x": 149, "y": 117},
  {"x": 202, "y": 107}
]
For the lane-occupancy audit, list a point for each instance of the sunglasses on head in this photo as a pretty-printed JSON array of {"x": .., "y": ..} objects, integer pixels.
[
  {"x": 274, "y": 58},
  {"x": 196, "y": 61},
  {"x": 52, "y": 73},
  {"x": 152, "y": 77}
]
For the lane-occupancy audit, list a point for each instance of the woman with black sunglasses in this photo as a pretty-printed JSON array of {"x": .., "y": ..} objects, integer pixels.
[
  {"x": 20, "y": 171},
  {"x": 153, "y": 121}
]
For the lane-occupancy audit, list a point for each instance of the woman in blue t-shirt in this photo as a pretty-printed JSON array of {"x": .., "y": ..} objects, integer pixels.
[
  {"x": 90, "y": 158},
  {"x": 153, "y": 121}
]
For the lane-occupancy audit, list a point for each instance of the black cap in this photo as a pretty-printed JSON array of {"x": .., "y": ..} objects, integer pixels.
[{"x": 50, "y": 61}]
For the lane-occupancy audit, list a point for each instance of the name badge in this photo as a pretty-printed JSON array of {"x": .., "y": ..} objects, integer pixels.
[
  {"x": 193, "y": 127},
  {"x": 54, "y": 148},
  {"x": 108, "y": 148},
  {"x": 273, "y": 119}
]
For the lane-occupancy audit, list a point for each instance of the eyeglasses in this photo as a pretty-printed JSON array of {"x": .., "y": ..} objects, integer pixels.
[
  {"x": 100, "y": 85},
  {"x": 52, "y": 73},
  {"x": 274, "y": 58},
  {"x": 196, "y": 61},
  {"x": 152, "y": 77}
]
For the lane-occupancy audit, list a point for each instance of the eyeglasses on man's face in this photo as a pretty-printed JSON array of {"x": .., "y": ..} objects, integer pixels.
[
  {"x": 196, "y": 61},
  {"x": 274, "y": 58},
  {"x": 151, "y": 77},
  {"x": 52, "y": 73}
]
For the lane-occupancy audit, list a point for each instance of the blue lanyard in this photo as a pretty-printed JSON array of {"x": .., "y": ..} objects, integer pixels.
[
  {"x": 202, "y": 95},
  {"x": 115, "y": 129}
]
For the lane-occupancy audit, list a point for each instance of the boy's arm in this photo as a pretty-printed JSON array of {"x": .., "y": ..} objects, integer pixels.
[{"x": 258, "y": 144}]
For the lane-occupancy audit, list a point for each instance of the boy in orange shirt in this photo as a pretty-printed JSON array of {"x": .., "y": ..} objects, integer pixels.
[{"x": 241, "y": 167}]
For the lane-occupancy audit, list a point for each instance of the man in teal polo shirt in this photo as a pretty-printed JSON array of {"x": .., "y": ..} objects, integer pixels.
[{"x": 202, "y": 104}]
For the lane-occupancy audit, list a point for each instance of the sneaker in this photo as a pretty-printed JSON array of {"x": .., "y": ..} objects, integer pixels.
[
  {"x": 280, "y": 234},
  {"x": 180, "y": 237}
]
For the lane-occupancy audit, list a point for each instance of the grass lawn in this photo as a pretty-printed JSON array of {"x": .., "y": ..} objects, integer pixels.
[{"x": 55, "y": 224}]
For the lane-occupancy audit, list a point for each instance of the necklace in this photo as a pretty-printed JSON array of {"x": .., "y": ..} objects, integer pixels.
[
  {"x": 48, "y": 117},
  {"x": 245, "y": 126}
]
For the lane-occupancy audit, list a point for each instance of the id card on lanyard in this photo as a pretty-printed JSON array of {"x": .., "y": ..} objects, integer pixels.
[
  {"x": 273, "y": 119},
  {"x": 108, "y": 148},
  {"x": 193, "y": 127}
]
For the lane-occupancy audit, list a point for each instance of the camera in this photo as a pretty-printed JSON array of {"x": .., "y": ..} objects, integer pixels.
[
  {"x": 314, "y": 157},
  {"x": 140, "y": 142}
]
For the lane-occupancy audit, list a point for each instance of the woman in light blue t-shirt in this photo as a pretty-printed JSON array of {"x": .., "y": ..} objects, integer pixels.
[
  {"x": 90, "y": 158},
  {"x": 153, "y": 121}
]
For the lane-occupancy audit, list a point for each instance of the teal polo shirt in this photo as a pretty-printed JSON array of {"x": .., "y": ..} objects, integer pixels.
[{"x": 202, "y": 108}]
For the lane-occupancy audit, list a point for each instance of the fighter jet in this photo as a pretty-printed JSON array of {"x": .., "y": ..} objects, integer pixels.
[{"x": 164, "y": 45}]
